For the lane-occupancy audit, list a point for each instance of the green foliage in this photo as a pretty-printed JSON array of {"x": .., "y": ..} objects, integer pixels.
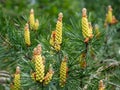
[{"x": 102, "y": 55}]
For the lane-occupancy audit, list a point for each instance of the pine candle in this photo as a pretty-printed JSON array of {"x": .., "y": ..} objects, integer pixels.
[
  {"x": 63, "y": 72},
  {"x": 27, "y": 35}
]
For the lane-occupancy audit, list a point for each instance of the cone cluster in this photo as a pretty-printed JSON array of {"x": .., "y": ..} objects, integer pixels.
[
  {"x": 56, "y": 40},
  {"x": 56, "y": 36},
  {"x": 39, "y": 66},
  {"x": 86, "y": 26},
  {"x": 34, "y": 24},
  {"x": 110, "y": 18},
  {"x": 39, "y": 62}
]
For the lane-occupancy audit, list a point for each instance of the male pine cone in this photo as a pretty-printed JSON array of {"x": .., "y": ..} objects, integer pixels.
[
  {"x": 27, "y": 35},
  {"x": 36, "y": 24},
  {"x": 56, "y": 36},
  {"x": 101, "y": 85},
  {"x": 63, "y": 72},
  {"x": 110, "y": 18},
  {"x": 16, "y": 81},
  {"x": 52, "y": 39},
  {"x": 48, "y": 76},
  {"x": 53, "y": 42},
  {"x": 31, "y": 19},
  {"x": 82, "y": 60},
  {"x": 33, "y": 76},
  {"x": 58, "y": 39},
  {"x": 39, "y": 66},
  {"x": 85, "y": 24},
  {"x": 109, "y": 15}
]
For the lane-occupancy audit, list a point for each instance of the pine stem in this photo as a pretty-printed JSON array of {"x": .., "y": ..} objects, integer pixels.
[
  {"x": 86, "y": 51},
  {"x": 59, "y": 56},
  {"x": 106, "y": 41},
  {"x": 107, "y": 36},
  {"x": 42, "y": 87}
]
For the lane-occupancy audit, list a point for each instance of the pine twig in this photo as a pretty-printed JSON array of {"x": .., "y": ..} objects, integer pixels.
[
  {"x": 5, "y": 40},
  {"x": 4, "y": 77},
  {"x": 99, "y": 71}
]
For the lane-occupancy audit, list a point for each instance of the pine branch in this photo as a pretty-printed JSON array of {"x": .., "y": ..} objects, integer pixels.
[
  {"x": 99, "y": 71},
  {"x": 5, "y": 40},
  {"x": 4, "y": 77}
]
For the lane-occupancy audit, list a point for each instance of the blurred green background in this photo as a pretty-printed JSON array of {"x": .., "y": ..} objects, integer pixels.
[
  {"x": 19, "y": 9},
  {"x": 52, "y": 7}
]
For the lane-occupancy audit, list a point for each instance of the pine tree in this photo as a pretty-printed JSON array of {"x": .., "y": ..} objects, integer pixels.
[{"x": 80, "y": 54}]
